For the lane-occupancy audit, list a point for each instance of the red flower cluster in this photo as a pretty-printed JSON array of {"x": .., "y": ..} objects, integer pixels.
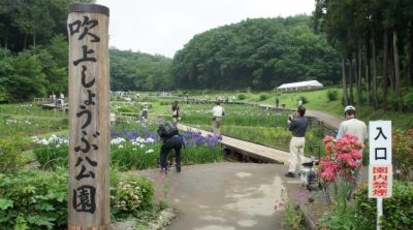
[{"x": 341, "y": 158}]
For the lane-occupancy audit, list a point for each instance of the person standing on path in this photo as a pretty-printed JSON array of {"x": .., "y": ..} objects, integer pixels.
[
  {"x": 357, "y": 128},
  {"x": 217, "y": 113},
  {"x": 298, "y": 128},
  {"x": 352, "y": 125},
  {"x": 175, "y": 112}
]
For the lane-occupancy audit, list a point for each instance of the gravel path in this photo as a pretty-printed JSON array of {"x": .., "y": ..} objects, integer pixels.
[
  {"x": 328, "y": 119},
  {"x": 227, "y": 196}
]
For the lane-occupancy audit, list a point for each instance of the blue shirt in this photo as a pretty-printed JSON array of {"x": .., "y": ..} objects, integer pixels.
[{"x": 298, "y": 126}]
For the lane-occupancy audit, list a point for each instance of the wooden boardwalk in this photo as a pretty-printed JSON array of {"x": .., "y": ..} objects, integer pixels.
[
  {"x": 261, "y": 152},
  {"x": 47, "y": 103},
  {"x": 246, "y": 148},
  {"x": 55, "y": 106}
]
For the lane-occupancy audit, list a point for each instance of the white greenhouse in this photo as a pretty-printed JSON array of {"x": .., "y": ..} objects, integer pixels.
[{"x": 300, "y": 86}]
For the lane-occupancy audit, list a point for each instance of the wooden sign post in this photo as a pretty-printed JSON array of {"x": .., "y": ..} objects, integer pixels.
[{"x": 89, "y": 123}]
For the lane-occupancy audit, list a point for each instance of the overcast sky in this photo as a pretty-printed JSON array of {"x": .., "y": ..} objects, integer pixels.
[{"x": 165, "y": 26}]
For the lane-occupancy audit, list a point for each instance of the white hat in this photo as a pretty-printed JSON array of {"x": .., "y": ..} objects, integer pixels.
[{"x": 349, "y": 107}]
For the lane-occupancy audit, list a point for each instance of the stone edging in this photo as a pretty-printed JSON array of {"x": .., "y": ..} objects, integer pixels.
[
  {"x": 164, "y": 219},
  {"x": 308, "y": 221}
]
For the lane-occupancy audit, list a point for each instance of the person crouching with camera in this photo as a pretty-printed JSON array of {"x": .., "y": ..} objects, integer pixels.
[{"x": 171, "y": 140}]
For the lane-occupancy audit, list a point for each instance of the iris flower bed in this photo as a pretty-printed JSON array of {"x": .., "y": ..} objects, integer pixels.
[
  {"x": 137, "y": 148},
  {"x": 236, "y": 115},
  {"x": 250, "y": 123},
  {"x": 28, "y": 120}
]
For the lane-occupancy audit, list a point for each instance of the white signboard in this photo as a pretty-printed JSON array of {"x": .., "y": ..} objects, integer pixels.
[
  {"x": 380, "y": 141},
  {"x": 380, "y": 168}
]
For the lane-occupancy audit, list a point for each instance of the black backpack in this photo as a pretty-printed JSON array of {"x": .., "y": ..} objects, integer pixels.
[{"x": 167, "y": 129}]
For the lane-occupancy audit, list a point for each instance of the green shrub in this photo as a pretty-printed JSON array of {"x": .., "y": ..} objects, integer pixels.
[
  {"x": 10, "y": 154},
  {"x": 241, "y": 97},
  {"x": 293, "y": 216},
  {"x": 347, "y": 219},
  {"x": 33, "y": 200},
  {"x": 131, "y": 196},
  {"x": 179, "y": 93},
  {"x": 397, "y": 210},
  {"x": 263, "y": 97},
  {"x": 332, "y": 95},
  {"x": 408, "y": 100},
  {"x": 125, "y": 109},
  {"x": 403, "y": 153},
  {"x": 362, "y": 214},
  {"x": 37, "y": 200},
  {"x": 303, "y": 99},
  {"x": 392, "y": 100}
]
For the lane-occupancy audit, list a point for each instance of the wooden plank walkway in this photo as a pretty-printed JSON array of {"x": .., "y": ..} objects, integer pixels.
[
  {"x": 250, "y": 149},
  {"x": 54, "y": 106}
]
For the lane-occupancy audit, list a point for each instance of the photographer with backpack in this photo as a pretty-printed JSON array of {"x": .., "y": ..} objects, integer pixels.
[{"x": 171, "y": 139}]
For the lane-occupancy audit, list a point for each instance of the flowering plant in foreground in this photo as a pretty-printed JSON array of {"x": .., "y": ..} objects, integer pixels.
[
  {"x": 131, "y": 195},
  {"x": 51, "y": 152},
  {"x": 342, "y": 159}
]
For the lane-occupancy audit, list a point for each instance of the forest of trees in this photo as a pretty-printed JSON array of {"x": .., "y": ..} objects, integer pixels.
[
  {"x": 363, "y": 45},
  {"x": 135, "y": 71},
  {"x": 33, "y": 48},
  {"x": 260, "y": 54},
  {"x": 374, "y": 40}
]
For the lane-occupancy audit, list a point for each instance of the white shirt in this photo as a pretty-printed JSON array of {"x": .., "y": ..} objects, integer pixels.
[
  {"x": 218, "y": 111},
  {"x": 353, "y": 127}
]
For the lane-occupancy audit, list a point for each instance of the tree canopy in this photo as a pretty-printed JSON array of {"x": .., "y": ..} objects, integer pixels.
[
  {"x": 361, "y": 44},
  {"x": 257, "y": 53},
  {"x": 374, "y": 40}
]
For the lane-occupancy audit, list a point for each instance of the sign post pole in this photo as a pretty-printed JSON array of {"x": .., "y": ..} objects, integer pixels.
[
  {"x": 379, "y": 211},
  {"x": 89, "y": 123}
]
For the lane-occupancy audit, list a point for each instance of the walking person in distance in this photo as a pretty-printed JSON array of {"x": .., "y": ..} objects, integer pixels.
[{"x": 217, "y": 113}]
